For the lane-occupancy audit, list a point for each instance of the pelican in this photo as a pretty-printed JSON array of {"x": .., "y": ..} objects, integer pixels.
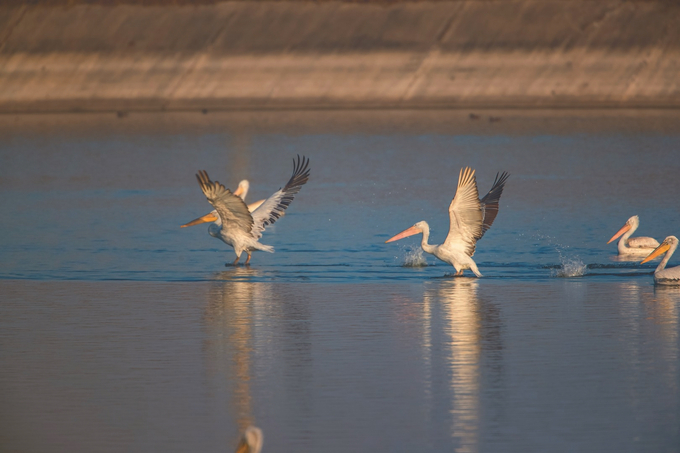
[
  {"x": 633, "y": 246},
  {"x": 251, "y": 441},
  {"x": 242, "y": 191},
  {"x": 470, "y": 218},
  {"x": 664, "y": 276},
  {"x": 234, "y": 223}
]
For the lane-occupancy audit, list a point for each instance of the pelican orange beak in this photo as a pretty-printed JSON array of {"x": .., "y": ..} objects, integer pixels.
[
  {"x": 404, "y": 234},
  {"x": 206, "y": 218},
  {"x": 663, "y": 248},
  {"x": 623, "y": 229}
]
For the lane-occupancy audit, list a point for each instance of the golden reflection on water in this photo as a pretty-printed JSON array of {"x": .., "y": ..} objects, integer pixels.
[
  {"x": 230, "y": 318},
  {"x": 461, "y": 324},
  {"x": 662, "y": 308}
]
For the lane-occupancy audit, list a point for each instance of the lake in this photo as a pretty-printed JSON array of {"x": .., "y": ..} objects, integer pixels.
[{"x": 119, "y": 331}]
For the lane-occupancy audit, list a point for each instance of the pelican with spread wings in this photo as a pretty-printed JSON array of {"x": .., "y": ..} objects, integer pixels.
[
  {"x": 233, "y": 221},
  {"x": 470, "y": 218}
]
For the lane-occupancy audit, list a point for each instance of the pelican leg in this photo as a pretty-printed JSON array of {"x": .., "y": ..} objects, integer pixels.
[
  {"x": 459, "y": 273},
  {"x": 235, "y": 263},
  {"x": 247, "y": 260}
]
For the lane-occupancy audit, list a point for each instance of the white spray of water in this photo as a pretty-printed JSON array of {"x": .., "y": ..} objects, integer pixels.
[
  {"x": 414, "y": 258},
  {"x": 571, "y": 267}
]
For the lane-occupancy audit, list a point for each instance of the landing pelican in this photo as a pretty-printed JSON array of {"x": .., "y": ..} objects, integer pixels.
[
  {"x": 470, "y": 218},
  {"x": 251, "y": 441},
  {"x": 241, "y": 192},
  {"x": 234, "y": 223},
  {"x": 633, "y": 246},
  {"x": 663, "y": 276}
]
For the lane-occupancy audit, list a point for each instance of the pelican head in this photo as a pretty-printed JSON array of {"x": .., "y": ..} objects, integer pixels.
[
  {"x": 667, "y": 244},
  {"x": 211, "y": 217},
  {"x": 415, "y": 229},
  {"x": 631, "y": 224},
  {"x": 242, "y": 189},
  {"x": 251, "y": 441}
]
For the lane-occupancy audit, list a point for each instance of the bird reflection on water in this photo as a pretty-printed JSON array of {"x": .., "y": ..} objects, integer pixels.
[
  {"x": 230, "y": 317},
  {"x": 662, "y": 308},
  {"x": 469, "y": 328}
]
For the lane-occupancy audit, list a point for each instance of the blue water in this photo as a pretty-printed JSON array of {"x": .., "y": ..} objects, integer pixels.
[
  {"x": 108, "y": 206},
  {"x": 119, "y": 331}
]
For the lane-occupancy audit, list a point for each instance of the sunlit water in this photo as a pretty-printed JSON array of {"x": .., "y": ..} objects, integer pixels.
[{"x": 119, "y": 331}]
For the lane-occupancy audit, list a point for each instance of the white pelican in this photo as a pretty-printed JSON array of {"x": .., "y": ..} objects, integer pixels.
[
  {"x": 234, "y": 223},
  {"x": 242, "y": 191},
  {"x": 664, "y": 276},
  {"x": 470, "y": 218},
  {"x": 251, "y": 441},
  {"x": 633, "y": 246}
]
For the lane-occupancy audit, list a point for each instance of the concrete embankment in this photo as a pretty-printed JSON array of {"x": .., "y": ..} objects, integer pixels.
[{"x": 259, "y": 55}]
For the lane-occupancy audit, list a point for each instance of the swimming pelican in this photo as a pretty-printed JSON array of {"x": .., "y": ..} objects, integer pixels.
[
  {"x": 470, "y": 218},
  {"x": 633, "y": 246},
  {"x": 251, "y": 441},
  {"x": 234, "y": 223},
  {"x": 664, "y": 276}
]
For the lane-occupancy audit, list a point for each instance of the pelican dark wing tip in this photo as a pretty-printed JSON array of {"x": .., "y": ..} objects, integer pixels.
[
  {"x": 300, "y": 175},
  {"x": 273, "y": 208}
]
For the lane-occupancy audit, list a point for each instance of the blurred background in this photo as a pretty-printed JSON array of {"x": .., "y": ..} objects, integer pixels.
[{"x": 128, "y": 55}]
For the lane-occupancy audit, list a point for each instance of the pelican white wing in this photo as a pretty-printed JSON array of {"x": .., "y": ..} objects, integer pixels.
[
  {"x": 465, "y": 214},
  {"x": 642, "y": 242},
  {"x": 274, "y": 207}
]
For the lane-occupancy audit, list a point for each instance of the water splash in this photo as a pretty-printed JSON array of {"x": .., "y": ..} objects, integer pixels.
[
  {"x": 414, "y": 257},
  {"x": 571, "y": 267}
]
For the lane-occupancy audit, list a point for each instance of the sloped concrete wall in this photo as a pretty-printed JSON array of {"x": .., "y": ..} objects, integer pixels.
[{"x": 232, "y": 55}]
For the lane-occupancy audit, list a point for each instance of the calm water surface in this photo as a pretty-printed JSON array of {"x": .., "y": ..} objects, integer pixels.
[{"x": 119, "y": 331}]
